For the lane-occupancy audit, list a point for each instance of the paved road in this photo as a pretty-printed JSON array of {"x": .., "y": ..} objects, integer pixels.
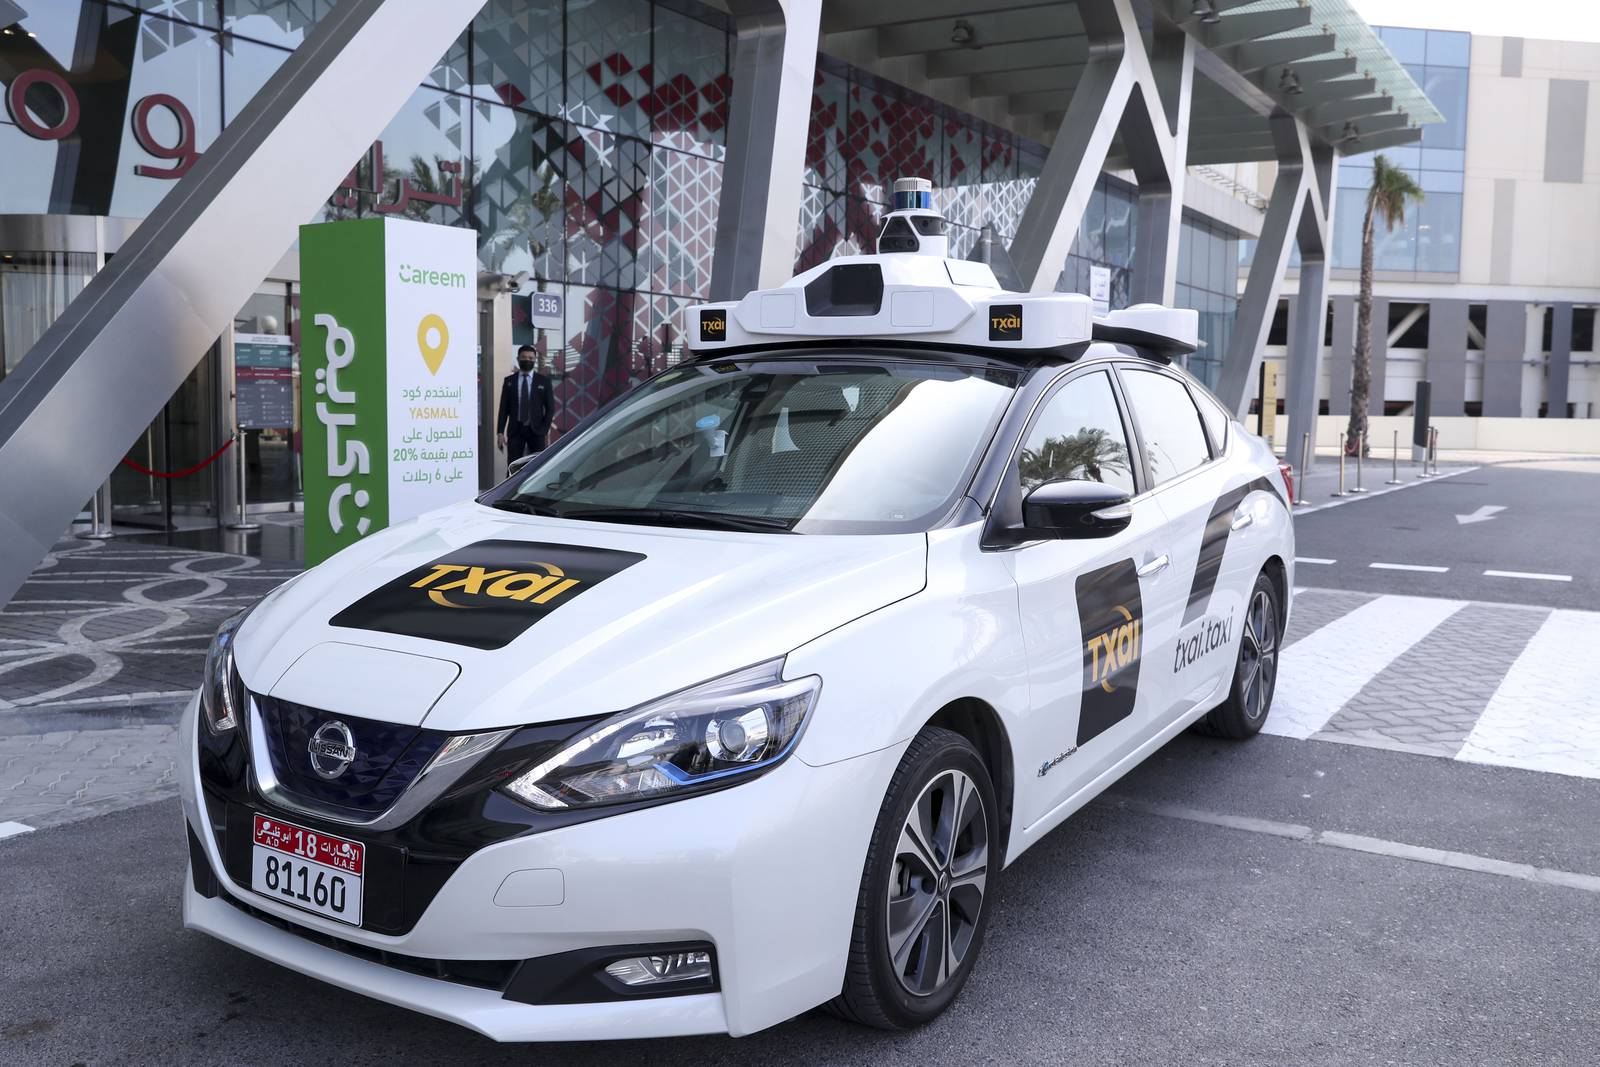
[
  {"x": 1550, "y": 524},
  {"x": 1124, "y": 937},
  {"x": 1284, "y": 900}
]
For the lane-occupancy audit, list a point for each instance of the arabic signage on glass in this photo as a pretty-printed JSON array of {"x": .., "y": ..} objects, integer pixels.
[
  {"x": 389, "y": 361},
  {"x": 263, "y": 392}
]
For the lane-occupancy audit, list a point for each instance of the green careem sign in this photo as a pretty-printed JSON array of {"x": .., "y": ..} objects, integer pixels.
[{"x": 388, "y": 373}]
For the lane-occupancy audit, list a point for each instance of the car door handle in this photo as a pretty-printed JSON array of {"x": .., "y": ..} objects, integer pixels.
[
  {"x": 1155, "y": 566},
  {"x": 1242, "y": 519}
]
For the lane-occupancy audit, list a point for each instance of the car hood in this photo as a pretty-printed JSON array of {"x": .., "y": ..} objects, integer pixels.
[{"x": 470, "y": 618}]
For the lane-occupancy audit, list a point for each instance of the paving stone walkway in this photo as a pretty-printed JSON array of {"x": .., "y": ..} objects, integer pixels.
[{"x": 99, "y": 651}]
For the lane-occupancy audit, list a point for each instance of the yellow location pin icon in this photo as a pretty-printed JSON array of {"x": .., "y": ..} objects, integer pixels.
[{"x": 433, "y": 337}]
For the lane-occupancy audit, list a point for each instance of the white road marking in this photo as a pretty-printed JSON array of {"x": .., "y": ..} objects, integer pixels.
[
  {"x": 1320, "y": 673},
  {"x": 1313, "y": 559},
  {"x": 110, "y": 699},
  {"x": 1407, "y": 567},
  {"x": 1544, "y": 716},
  {"x": 1530, "y": 575},
  {"x": 12, "y": 829},
  {"x": 1375, "y": 846},
  {"x": 1483, "y": 514}
]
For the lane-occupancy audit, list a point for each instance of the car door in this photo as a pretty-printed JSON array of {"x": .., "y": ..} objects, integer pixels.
[
  {"x": 1188, "y": 476},
  {"x": 1089, "y": 607}
]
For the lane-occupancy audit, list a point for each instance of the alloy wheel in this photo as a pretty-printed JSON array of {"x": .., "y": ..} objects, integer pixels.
[
  {"x": 936, "y": 887},
  {"x": 1259, "y": 656}
]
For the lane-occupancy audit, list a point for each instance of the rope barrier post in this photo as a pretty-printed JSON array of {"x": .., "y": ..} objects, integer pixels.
[
  {"x": 1341, "y": 491},
  {"x": 1361, "y": 448},
  {"x": 1305, "y": 462},
  {"x": 241, "y": 522},
  {"x": 1394, "y": 464},
  {"x": 100, "y": 515}
]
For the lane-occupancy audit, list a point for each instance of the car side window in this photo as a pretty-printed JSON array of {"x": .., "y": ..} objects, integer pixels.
[
  {"x": 1078, "y": 436},
  {"x": 1174, "y": 441},
  {"x": 1215, "y": 416}
]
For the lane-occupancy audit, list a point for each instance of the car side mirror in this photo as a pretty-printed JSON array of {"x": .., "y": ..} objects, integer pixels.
[
  {"x": 1076, "y": 508},
  {"x": 521, "y": 461}
]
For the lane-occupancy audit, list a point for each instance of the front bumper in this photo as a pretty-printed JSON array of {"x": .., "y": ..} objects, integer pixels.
[{"x": 767, "y": 872}]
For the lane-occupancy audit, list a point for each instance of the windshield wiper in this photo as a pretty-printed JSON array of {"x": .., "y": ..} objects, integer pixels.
[
  {"x": 716, "y": 520},
  {"x": 522, "y": 507}
]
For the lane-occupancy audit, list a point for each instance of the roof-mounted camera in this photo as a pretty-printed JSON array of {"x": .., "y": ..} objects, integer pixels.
[{"x": 913, "y": 226}]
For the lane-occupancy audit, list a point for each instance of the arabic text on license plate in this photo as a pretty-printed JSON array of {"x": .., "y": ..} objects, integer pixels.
[{"x": 308, "y": 869}]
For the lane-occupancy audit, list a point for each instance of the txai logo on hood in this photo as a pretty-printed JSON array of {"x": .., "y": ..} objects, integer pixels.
[{"x": 486, "y": 594}]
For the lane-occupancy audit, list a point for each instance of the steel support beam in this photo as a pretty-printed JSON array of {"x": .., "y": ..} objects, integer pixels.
[
  {"x": 1298, "y": 215},
  {"x": 1326, "y": 92},
  {"x": 1340, "y": 110},
  {"x": 1256, "y": 55},
  {"x": 1252, "y": 25},
  {"x": 1372, "y": 124},
  {"x": 106, "y": 367},
  {"x": 774, "y": 68},
  {"x": 1022, "y": 55},
  {"x": 1161, "y": 175},
  {"x": 989, "y": 28},
  {"x": 1123, "y": 90},
  {"x": 1368, "y": 142}
]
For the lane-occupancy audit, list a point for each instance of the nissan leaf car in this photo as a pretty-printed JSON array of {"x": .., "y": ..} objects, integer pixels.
[{"x": 739, "y": 699}]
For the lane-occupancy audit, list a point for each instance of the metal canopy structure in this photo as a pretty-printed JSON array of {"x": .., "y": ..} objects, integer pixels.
[
  {"x": 1149, "y": 86},
  {"x": 1313, "y": 59}
]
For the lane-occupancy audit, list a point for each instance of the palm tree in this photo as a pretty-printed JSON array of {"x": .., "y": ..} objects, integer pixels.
[{"x": 1386, "y": 200}]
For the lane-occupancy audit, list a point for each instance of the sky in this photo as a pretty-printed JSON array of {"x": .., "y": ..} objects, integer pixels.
[{"x": 1557, "y": 20}]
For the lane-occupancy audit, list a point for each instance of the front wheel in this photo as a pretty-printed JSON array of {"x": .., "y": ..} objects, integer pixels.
[
  {"x": 930, "y": 868},
  {"x": 1255, "y": 676}
]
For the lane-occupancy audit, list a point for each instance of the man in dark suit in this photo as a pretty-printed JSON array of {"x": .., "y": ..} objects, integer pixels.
[{"x": 527, "y": 404}]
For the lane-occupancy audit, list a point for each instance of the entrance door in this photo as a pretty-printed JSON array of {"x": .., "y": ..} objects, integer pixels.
[{"x": 182, "y": 435}]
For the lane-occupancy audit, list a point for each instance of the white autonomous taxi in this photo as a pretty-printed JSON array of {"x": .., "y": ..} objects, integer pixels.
[{"x": 739, "y": 699}]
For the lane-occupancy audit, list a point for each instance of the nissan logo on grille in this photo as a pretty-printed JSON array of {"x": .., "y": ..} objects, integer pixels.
[{"x": 332, "y": 748}]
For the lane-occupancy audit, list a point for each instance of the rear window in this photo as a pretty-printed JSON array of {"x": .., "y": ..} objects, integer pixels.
[{"x": 1174, "y": 442}]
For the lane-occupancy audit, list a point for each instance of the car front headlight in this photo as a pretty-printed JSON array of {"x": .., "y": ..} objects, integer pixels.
[
  {"x": 739, "y": 724},
  {"x": 221, "y": 690}
]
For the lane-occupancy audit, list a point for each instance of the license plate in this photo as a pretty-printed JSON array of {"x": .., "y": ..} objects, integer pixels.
[{"x": 308, "y": 869}]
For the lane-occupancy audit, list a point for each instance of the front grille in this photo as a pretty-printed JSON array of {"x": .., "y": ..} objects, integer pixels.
[
  {"x": 388, "y": 756},
  {"x": 481, "y": 974}
]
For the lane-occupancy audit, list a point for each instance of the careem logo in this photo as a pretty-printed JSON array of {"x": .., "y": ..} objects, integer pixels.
[{"x": 448, "y": 279}]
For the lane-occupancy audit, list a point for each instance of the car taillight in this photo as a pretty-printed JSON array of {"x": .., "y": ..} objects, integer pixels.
[{"x": 1288, "y": 478}]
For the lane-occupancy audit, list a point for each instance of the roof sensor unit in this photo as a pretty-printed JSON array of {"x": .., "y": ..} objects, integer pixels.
[{"x": 913, "y": 226}]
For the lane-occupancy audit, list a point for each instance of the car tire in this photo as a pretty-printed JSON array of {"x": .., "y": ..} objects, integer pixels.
[
  {"x": 926, "y": 884},
  {"x": 1255, "y": 673}
]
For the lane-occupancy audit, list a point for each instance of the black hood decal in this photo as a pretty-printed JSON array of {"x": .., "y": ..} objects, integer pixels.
[
  {"x": 486, "y": 594},
  {"x": 1214, "y": 541}
]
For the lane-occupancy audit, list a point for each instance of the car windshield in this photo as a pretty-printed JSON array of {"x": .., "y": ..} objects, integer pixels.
[{"x": 827, "y": 444}]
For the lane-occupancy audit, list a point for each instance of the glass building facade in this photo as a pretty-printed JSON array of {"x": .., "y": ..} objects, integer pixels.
[
  {"x": 583, "y": 141},
  {"x": 1429, "y": 242}
]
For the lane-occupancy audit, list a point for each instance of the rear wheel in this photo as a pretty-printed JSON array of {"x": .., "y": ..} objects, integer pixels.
[
  {"x": 1255, "y": 677},
  {"x": 930, "y": 867}
]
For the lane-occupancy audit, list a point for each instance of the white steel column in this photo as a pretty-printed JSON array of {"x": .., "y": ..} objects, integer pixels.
[
  {"x": 1160, "y": 209},
  {"x": 1297, "y": 215},
  {"x": 774, "y": 70},
  {"x": 1118, "y": 92},
  {"x": 105, "y": 368}
]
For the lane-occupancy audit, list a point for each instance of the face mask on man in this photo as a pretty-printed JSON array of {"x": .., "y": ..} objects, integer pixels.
[{"x": 525, "y": 364}]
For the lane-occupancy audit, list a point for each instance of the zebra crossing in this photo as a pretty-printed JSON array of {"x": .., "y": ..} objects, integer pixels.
[{"x": 1503, "y": 684}]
